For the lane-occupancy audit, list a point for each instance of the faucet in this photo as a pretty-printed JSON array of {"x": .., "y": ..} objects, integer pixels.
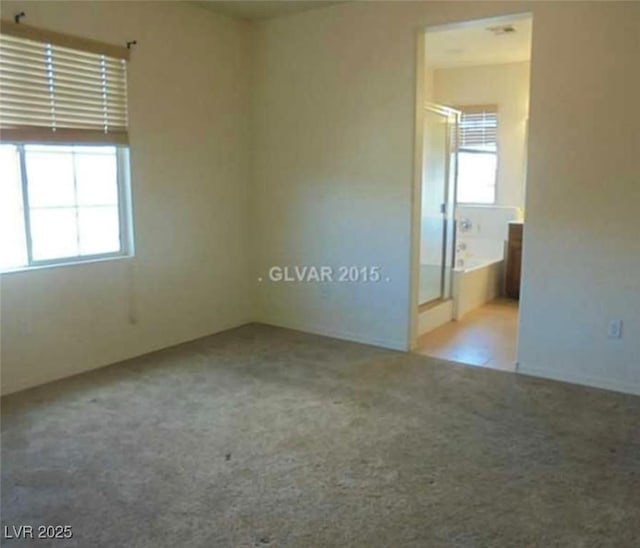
[{"x": 465, "y": 225}]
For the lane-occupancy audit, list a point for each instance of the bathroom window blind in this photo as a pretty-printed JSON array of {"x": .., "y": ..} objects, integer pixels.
[
  {"x": 478, "y": 129},
  {"x": 59, "y": 88},
  {"x": 477, "y": 154}
]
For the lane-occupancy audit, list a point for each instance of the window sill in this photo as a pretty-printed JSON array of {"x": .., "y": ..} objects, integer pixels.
[{"x": 63, "y": 263}]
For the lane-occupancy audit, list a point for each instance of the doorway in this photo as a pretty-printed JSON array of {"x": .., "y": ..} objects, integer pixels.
[{"x": 474, "y": 117}]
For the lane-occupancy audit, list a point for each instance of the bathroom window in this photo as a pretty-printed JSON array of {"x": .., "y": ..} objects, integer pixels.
[{"x": 477, "y": 155}]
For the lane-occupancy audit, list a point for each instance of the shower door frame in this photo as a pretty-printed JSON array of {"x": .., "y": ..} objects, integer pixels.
[{"x": 448, "y": 206}]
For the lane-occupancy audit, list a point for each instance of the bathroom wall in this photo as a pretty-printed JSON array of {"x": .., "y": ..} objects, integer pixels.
[
  {"x": 485, "y": 233},
  {"x": 505, "y": 85}
]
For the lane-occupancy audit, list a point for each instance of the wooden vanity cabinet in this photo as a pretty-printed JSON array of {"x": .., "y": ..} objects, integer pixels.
[{"x": 514, "y": 261}]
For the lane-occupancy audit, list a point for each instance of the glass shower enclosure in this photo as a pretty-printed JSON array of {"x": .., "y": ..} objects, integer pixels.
[{"x": 438, "y": 188}]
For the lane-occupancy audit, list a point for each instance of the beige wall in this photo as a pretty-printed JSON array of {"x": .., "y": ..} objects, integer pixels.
[
  {"x": 334, "y": 173},
  {"x": 581, "y": 248},
  {"x": 507, "y": 86},
  {"x": 333, "y": 108},
  {"x": 189, "y": 97}
]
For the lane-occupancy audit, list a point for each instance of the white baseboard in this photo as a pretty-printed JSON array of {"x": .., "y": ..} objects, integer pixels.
[
  {"x": 343, "y": 335},
  {"x": 593, "y": 382},
  {"x": 44, "y": 377},
  {"x": 435, "y": 316}
]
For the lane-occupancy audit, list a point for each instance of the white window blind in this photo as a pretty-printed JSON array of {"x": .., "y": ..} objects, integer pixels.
[
  {"x": 477, "y": 154},
  {"x": 478, "y": 129},
  {"x": 58, "y": 88}
]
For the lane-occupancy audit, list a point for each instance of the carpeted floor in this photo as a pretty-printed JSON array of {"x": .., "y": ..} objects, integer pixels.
[{"x": 267, "y": 437}]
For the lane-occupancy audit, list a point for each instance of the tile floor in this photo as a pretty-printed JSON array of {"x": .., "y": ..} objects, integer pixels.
[{"x": 485, "y": 337}]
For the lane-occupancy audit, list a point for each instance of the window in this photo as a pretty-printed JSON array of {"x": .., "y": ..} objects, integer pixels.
[
  {"x": 63, "y": 149},
  {"x": 477, "y": 155},
  {"x": 61, "y": 203}
]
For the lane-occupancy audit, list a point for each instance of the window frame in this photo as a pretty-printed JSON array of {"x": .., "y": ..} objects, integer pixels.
[
  {"x": 125, "y": 209},
  {"x": 496, "y": 153}
]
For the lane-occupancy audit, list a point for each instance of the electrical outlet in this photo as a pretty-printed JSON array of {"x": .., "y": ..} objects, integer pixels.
[{"x": 615, "y": 329}]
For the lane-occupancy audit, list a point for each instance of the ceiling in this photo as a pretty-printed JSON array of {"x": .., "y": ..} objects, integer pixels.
[
  {"x": 472, "y": 44},
  {"x": 260, "y": 10}
]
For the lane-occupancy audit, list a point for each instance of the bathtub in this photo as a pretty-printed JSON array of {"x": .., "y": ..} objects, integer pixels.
[{"x": 475, "y": 282}]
